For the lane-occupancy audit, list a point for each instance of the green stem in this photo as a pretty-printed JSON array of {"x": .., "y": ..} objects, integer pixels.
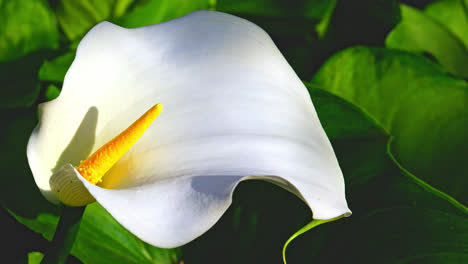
[
  {"x": 312, "y": 224},
  {"x": 64, "y": 236}
]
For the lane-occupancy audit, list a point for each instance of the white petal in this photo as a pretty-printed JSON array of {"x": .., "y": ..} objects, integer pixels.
[{"x": 233, "y": 107}]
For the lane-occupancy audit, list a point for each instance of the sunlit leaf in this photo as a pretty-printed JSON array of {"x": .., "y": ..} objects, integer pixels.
[
  {"x": 420, "y": 33},
  {"x": 157, "y": 11},
  {"x": 26, "y": 26},
  {"x": 35, "y": 257},
  {"x": 422, "y": 107},
  {"x": 453, "y": 14},
  {"x": 56, "y": 69},
  {"x": 51, "y": 92},
  {"x": 77, "y": 17}
]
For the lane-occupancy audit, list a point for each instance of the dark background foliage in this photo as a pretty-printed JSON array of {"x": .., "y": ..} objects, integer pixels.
[{"x": 387, "y": 78}]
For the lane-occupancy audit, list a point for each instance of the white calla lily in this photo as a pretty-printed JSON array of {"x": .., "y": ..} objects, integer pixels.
[{"x": 233, "y": 110}]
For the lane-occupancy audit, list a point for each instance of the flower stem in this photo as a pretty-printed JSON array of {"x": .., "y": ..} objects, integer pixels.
[{"x": 64, "y": 236}]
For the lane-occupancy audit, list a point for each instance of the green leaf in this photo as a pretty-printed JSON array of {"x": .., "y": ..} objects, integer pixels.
[
  {"x": 26, "y": 26},
  {"x": 34, "y": 258},
  {"x": 453, "y": 14},
  {"x": 421, "y": 34},
  {"x": 102, "y": 240},
  {"x": 78, "y": 17},
  {"x": 55, "y": 70},
  {"x": 51, "y": 92},
  {"x": 396, "y": 218},
  {"x": 157, "y": 11},
  {"x": 418, "y": 104}
]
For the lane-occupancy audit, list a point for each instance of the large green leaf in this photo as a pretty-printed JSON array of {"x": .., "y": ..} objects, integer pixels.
[
  {"x": 26, "y": 26},
  {"x": 422, "y": 107},
  {"x": 420, "y": 33},
  {"x": 102, "y": 240},
  {"x": 77, "y": 17},
  {"x": 55, "y": 70},
  {"x": 157, "y": 11},
  {"x": 396, "y": 219},
  {"x": 453, "y": 14}
]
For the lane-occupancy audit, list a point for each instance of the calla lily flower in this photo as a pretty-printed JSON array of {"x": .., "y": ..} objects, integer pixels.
[{"x": 234, "y": 110}]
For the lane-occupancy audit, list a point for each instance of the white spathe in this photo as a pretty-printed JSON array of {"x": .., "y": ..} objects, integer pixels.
[{"x": 233, "y": 110}]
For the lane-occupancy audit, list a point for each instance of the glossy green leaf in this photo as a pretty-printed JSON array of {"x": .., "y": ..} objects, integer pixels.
[
  {"x": 35, "y": 257},
  {"x": 422, "y": 34},
  {"x": 26, "y": 26},
  {"x": 51, "y": 92},
  {"x": 102, "y": 240},
  {"x": 453, "y": 14},
  {"x": 396, "y": 218},
  {"x": 78, "y": 17},
  {"x": 55, "y": 70},
  {"x": 157, "y": 11},
  {"x": 422, "y": 107}
]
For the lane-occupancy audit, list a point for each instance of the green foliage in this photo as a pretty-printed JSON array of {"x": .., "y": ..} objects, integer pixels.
[
  {"x": 420, "y": 33},
  {"x": 453, "y": 14},
  {"x": 78, "y": 17},
  {"x": 395, "y": 219},
  {"x": 409, "y": 96},
  {"x": 156, "y": 11},
  {"x": 26, "y": 26},
  {"x": 55, "y": 70},
  {"x": 102, "y": 240},
  {"x": 34, "y": 258},
  {"x": 396, "y": 120}
]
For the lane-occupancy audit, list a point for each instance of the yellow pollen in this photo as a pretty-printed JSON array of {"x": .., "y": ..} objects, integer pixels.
[{"x": 101, "y": 161}]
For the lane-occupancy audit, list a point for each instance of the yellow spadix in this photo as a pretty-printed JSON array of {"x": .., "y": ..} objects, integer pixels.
[{"x": 101, "y": 161}]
